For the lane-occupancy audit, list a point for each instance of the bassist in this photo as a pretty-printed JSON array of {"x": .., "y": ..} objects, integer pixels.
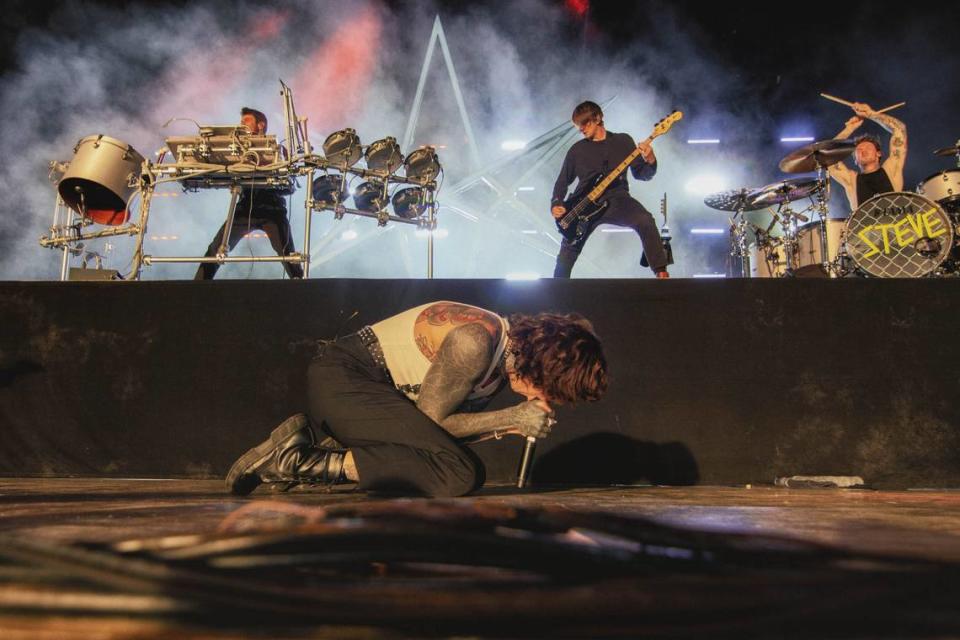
[{"x": 598, "y": 153}]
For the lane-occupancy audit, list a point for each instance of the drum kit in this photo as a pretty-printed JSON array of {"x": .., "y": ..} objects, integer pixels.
[
  {"x": 892, "y": 235},
  {"x": 96, "y": 187}
]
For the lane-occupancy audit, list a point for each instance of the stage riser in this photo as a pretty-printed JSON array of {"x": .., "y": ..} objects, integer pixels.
[{"x": 736, "y": 381}]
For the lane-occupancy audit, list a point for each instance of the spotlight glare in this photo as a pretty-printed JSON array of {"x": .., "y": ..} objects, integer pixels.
[
  {"x": 703, "y": 184},
  {"x": 437, "y": 233},
  {"x": 513, "y": 145},
  {"x": 704, "y": 141},
  {"x": 350, "y": 234},
  {"x": 707, "y": 230},
  {"x": 798, "y": 139},
  {"x": 522, "y": 275}
]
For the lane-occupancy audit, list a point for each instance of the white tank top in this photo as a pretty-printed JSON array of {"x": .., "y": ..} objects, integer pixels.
[{"x": 407, "y": 363}]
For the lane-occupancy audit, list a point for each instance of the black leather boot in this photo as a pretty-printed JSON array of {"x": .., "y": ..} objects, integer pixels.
[{"x": 290, "y": 456}]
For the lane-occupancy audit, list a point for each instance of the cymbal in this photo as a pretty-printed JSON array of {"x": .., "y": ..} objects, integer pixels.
[
  {"x": 823, "y": 153},
  {"x": 948, "y": 151},
  {"x": 733, "y": 200},
  {"x": 785, "y": 191}
]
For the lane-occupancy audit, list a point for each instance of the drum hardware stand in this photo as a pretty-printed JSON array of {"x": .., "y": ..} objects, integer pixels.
[
  {"x": 431, "y": 224},
  {"x": 307, "y": 222},
  {"x": 788, "y": 222},
  {"x": 738, "y": 242},
  {"x": 62, "y": 236},
  {"x": 823, "y": 197},
  {"x": 228, "y": 225}
]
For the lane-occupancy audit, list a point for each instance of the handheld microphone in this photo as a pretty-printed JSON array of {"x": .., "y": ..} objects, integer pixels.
[{"x": 526, "y": 462}]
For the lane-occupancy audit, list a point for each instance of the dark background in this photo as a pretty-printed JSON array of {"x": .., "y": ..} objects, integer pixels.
[{"x": 729, "y": 382}]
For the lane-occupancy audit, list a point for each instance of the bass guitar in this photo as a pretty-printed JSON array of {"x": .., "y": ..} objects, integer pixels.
[{"x": 584, "y": 206}]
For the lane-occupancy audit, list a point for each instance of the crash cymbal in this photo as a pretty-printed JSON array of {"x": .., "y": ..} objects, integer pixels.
[
  {"x": 784, "y": 191},
  {"x": 824, "y": 153},
  {"x": 732, "y": 200},
  {"x": 948, "y": 151}
]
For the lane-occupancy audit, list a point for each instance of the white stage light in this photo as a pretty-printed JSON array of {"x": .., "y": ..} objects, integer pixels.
[
  {"x": 513, "y": 145},
  {"x": 523, "y": 275},
  {"x": 438, "y": 233},
  {"x": 708, "y": 230},
  {"x": 704, "y": 141},
  {"x": 349, "y": 234},
  {"x": 703, "y": 184},
  {"x": 798, "y": 139},
  {"x": 709, "y": 275}
]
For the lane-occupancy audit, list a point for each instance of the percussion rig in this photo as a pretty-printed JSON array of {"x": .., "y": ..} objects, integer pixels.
[
  {"x": 782, "y": 255},
  {"x": 96, "y": 188}
]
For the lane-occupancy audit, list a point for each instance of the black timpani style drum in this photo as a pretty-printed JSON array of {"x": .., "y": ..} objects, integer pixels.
[
  {"x": 899, "y": 235},
  {"x": 101, "y": 178}
]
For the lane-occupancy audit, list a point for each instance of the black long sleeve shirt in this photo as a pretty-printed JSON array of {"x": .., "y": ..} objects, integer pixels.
[{"x": 587, "y": 158}]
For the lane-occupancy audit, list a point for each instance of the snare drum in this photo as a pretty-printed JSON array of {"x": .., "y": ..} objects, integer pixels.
[
  {"x": 944, "y": 188},
  {"x": 899, "y": 235}
]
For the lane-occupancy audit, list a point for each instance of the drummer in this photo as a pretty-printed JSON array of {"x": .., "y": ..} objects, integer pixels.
[{"x": 877, "y": 175}]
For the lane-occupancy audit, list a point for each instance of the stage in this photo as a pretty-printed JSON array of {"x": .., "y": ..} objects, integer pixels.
[
  {"x": 718, "y": 561},
  {"x": 652, "y": 512}
]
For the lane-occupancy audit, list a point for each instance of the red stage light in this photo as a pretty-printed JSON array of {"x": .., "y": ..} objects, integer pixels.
[{"x": 578, "y": 7}]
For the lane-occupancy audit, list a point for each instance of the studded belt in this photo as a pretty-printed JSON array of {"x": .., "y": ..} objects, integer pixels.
[{"x": 369, "y": 339}]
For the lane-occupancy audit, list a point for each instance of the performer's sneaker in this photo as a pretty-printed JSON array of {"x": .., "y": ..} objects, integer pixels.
[{"x": 288, "y": 457}]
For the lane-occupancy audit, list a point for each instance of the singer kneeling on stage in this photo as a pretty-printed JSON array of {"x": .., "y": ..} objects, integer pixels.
[{"x": 392, "y": 406}]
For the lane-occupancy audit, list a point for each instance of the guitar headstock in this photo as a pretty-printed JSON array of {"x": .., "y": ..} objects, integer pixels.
[{"x": 664, "y": 125}]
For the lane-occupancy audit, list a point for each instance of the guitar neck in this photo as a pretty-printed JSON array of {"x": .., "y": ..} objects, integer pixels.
[{"x": 597, "y": 191}]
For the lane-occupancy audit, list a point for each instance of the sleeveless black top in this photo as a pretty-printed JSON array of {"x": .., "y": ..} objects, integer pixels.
[{"x": 870, "y": 184}]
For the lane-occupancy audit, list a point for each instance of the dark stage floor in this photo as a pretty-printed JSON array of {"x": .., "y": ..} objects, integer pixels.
[{"x": 614, "y": 561}]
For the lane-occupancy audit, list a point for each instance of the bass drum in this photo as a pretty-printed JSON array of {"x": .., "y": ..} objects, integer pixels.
[
  {"x": 97, "y": 182},
  {"x": 899, "y": 235},
  {"x": 769, "y": 262}
]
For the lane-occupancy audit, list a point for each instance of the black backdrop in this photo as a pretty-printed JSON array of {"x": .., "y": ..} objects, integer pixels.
[{"x": 736, "y": 381}]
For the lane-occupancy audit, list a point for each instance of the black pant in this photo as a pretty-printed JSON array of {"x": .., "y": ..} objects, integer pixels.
[
  {"x": 273, "y": 222},
  {"x": 623, "y": 211},
  {"x": 397, "y": 448}
]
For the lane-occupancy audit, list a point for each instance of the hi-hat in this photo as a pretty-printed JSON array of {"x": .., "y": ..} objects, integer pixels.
[
  {"x": 785, "y": 191},
  {"x": 817, "y": 154},
  {"x": 733, "y": 200},
  {"x": 948, "y": 151}
]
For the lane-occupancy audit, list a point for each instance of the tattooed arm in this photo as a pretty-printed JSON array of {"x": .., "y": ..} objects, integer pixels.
[
  {"x": 460, "y": 362},
  {"x": 898, "y": 148},
  {"x": 897, "y": 155},
  {"x": 840, "y": 171}
]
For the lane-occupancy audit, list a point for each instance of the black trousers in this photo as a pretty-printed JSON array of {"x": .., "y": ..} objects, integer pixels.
[
  {"x": 397, "y": 448},
  {"x": 623, "y": 211},
  {"x": 273, "y": 222}
]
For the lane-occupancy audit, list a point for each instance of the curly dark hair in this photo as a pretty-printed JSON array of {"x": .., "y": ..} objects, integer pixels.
[{"x": 560, "y": 354}]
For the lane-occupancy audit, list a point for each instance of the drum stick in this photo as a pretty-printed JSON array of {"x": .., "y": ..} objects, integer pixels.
[
  {"x": 850, "y": 104},
  {"x": 836, "y": 99},
  {"x": 892, "y": 107}
]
